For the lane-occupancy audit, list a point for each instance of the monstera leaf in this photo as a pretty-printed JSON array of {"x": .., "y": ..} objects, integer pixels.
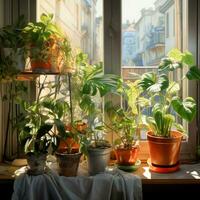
[
  {"x": 193, "y": 73},
  {"x": 185, "y": 108},
  {"x": 188, "y": 58},
  {"x": 153, "y": 83}
]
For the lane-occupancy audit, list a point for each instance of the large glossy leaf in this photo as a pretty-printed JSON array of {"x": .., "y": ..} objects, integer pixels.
[
  {"x": 173, "y": 88},
  {"x": 133, "y": 93},
  {"x": 148, "y": 79},
  {"x": 188, "y": 58},
  {"x": 175, "y": 54},
  {"x": 153, "y": 83},
  {"x": 167, "y": 65},
  {"x": 193, "y": 73},
  {"x": 186, "y": 108}
]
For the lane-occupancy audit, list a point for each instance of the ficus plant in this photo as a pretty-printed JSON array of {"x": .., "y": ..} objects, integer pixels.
[{"x": 166, "y": 103}]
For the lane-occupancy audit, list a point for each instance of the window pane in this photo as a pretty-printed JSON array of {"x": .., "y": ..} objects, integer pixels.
[{"x": 150, "y": 28}]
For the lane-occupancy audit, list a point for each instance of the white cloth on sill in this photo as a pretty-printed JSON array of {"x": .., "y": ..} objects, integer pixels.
[{"x": 115, "y": 185}]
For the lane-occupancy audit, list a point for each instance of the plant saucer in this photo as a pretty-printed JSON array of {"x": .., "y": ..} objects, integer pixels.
[
  {"x": 159, "y": 169},
  {"x": 130, "y": 168}
]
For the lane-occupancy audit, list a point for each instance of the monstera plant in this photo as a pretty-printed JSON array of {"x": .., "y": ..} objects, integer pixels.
[{"x": 168, "y": 108}]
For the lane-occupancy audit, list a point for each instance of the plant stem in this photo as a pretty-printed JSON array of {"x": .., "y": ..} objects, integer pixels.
[
  {"x": 41, "y": 87},
  {"x": 70, "y": 97}
]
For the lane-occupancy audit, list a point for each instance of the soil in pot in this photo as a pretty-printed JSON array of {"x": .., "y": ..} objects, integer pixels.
[
  {"x": 164, "y": 152},
  {"x": 36, "y": 163},
  {"x": 98, "y": 159},
  {"x": 68, "y": 163}
]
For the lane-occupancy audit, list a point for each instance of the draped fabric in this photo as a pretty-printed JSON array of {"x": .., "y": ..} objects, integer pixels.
[{"x": 110, "y": 185}]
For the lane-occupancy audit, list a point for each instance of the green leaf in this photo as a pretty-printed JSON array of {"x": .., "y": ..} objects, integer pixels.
[
  {"x": 148, "y": 79},
  {"x": 60, "y": 126},
  {"x": 175, "y": 54},
  {"x": 173, "y": 88},
  {"x": 193, "y": 73},
  {"x": 153, "y": 83},
  {"x": 186, "y": 108},
  {"x": 179, "y": 128},
  {"x": 188, "y": 58}
]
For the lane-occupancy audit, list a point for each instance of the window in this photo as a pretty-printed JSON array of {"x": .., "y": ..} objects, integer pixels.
[
  {"x": 133, "y": 41},
  {"x": 155, "y": 26},
  {"x": 142, "y": 46}
]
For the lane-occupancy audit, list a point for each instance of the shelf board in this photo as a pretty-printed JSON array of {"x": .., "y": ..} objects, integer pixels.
[{"x": 29, "y": 75}]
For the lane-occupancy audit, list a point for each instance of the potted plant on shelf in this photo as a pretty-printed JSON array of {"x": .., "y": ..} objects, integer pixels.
[
  {"x": 44, "y": 44},
  {"x": 37, "y": 129},
  {"x": 165, "y": 132},
  {"x": 12, "y": 44},
  {"x": 126, "y": 123}
]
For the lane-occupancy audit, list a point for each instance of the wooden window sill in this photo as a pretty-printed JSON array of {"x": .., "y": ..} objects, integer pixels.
[{"x": 188, "y": 174}]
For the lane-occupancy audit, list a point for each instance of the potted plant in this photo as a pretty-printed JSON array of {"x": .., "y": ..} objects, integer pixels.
[
  {"x": 164, "y": 130},
  {"x": 126, "y": 123},
  {"x": 68, "y": 152},
  {"x": 12, "y": 44},
  {"x": 44, "y": 42},
  {"x": 37, "y": 124},
  {"x": 91, "y": 86}
]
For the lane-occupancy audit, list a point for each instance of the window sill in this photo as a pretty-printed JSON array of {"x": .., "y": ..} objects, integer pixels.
[{"x": 188, "y": 174}]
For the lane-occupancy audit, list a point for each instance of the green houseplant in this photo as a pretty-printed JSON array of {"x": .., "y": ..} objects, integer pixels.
[
  {"x": 45, "y": 44},
  {"x": 12, "y": 45},
  {"x": 36, "y": 126},
  {"x": 88, "y": 86},
  {"x": 166, "y": 105},
  {"x": 126, "y": 123}
]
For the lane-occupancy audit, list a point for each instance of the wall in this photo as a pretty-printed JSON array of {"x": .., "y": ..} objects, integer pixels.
[{"x": 1, "y": 13}]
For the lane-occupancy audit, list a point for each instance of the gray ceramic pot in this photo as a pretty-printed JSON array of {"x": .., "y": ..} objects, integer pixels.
[
  {"x": 36, "y": 164},
  {"x": 98, "y": 159}
]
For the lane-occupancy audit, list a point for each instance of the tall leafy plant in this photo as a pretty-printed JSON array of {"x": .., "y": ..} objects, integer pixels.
[
  {"x": 88, "y": 87},
  {"x": 164, "y": 94},
  {"x": 126, "y": 121}
]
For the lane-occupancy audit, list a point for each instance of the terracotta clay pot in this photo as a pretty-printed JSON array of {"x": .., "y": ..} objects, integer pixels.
[
  {"x": 126, "y": 157},
  {"x": 164, "y": 152},
  {"x": 68, "y": 163},
  {"x": 40, "y": 66}
]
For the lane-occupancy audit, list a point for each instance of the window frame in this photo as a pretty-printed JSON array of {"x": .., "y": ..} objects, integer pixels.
[{"x": 112, "y": 13}]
